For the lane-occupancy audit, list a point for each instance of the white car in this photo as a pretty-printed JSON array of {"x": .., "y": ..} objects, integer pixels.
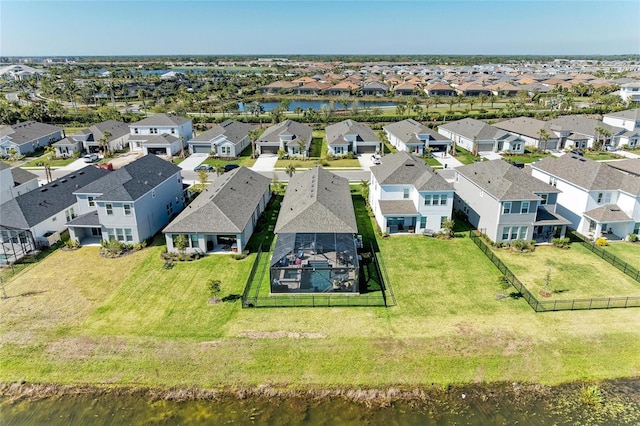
[
  {"x": 90, "y": 158},
  {"x": 375, "y": 159}
]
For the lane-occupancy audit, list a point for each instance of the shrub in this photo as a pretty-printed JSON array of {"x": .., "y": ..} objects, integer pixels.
[
  {"x": 282, "y": 154},
  {"x": 591, "y": 396},
  {"x": 112, "y": 248},
  {"x": 239, "y": 256},
  {"x": 522, "y": 245},
  {"x": 633, "y": 238},
  {"x": 602, "y": 242},
  {"x": 72, "y": 244},
  {"x": 562, "y": 243}
]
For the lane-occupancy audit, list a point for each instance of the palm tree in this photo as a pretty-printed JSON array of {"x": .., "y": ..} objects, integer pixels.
[
  {"x": 451, "y": 100},
  {"x": 290, "y": 170},
  {"x": 182, "y": 154},
  {"x": 298, "y": 110},
  {"x": 254, "y": 134},
  {"x": 364, "y": 190},
  {"x": 544, "y": 136},
  {"x": 483, "y": 98},
  {"x": 302, "y": 146},
  {"x": 103, "y": 143},
  {"x": 256, "y": 108},
  {"x": 219, "y": 169}
]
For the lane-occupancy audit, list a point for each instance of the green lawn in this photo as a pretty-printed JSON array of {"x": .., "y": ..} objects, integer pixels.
[
  {"x": 244, "y": 160},
  {"x": 529, "y": 156},
  {"x": 312, "y": 162},
  {"x": 78, "y": 318},
  {"x": 47, "y": 159},
  {"x": 576, "y": 273},
  {"x": 601, "y": 155},
  {"x": 465, "y": 156},
  {"x": 628, "y": 252}
]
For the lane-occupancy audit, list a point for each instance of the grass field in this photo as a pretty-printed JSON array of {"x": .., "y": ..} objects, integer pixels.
[
  {"x": 576, "y": 273},
  {"x": 601, "y": 155},
  {"x": 78, "y": 318},
  {"x": 628, "y": 252},
  {"x": 527, "y": 157},
  {"x": 244, "y": 160},
  {"x": 465, "y": 156}
]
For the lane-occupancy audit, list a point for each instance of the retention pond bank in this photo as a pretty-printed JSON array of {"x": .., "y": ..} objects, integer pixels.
[{"x": 612, "y": 403}]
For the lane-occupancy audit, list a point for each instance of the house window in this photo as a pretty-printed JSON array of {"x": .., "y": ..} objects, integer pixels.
[
  {"x": 119, "y": 234},
  {"x": 170, "y": 209},
  {"x": 553, "y": 181},
  {"x": 443, "y": 199},
  {"x": 194, "y": 240},
  {"x": 173, "y": 131},
  {"x": 544, "y": 199},
  {"x": 514, "y": 232},
  {"x": 111, "y": 233},
  {"x": 127, "y": 209},
  {"x": 138, "y": 144},
  {"x": 604, "y": 198},
  {"x": 523, "y": 232},
  {"x": 423, "y": 222},
  {"x": 505, "y": 233},
  {"x": 636, "y": 228},
  {"x": 524, "y": 207},
  {"x": 109, "y": 208},
  {"x": 506, "y": 207},
  {"x": 69, "y": 214},
  {"x": 153, "y": 193},
  {"x": 592, "y": 225},
  {"x": 405, "y": 193},
  {"x": 128, "y": 235},
  {"x": 135, "y": 130},
  {"x": 427, "y": 200},
  {"x": 517, "y": 148},
  {"x": 443, "y": 219},
  {"x": 91, "y": 202}
]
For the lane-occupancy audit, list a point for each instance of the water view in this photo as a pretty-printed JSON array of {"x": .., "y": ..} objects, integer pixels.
[{"x": 317, "y": 105}]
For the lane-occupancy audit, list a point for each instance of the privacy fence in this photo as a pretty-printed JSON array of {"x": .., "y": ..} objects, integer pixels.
[{"x": 555, "y": 305}]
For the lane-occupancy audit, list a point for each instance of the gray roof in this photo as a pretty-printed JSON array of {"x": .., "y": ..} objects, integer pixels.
[
  {"x": 132, "y": 181},
  {"x": 630, "y": 114},
  {"x": 33, "y": 207},
  {"x": 376, "y": 85},
  {"x": 397, "y": 207},
  {"x": 407, "y": 131},
  {"x": 234, "y": 131},
  {"x": 581, "y": 125},
  {"x": 317, "y": 201},
  {"x": 28, "y": 131},
  {"x": 526, "y": 126},
  {"x": 608, "y": 213},
  {"x": 631, "y": 166},
  {"x": 403, "y": 168},
  {"x": 545, "y": 217},
  {"x": 21, "y": 176},
  {"x": 90, "y": 219},
  {"x": 337, "y": 132},
  {"x": 471, "y": 128},
  {"x": 164, "y": 139},
  {"x": 161, "y": 120},
  {"x": 287, "y": 127},
  {"x": 588, "y": 174},
  {"x": 227, "y": 205},
  {"x": 97, "y": 131},
  {"x": 68, "y": 141},
  {"x": 504, "y": 181}
]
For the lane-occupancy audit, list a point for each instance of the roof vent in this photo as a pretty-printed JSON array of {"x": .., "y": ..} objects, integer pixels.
[
  {"x": 72, "y": 177},
  {"x": 43, "y": 190},
  {"x": 63, "y": 180},
  {"x": 81, "y": 173},
  {"x": 54, "y": 185}
]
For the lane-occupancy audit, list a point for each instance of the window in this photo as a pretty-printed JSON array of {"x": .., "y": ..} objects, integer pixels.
[
  {"x": 119, "y": 234},
  {"x": 91, "y": 202},
  {"x": 517, "y": 147},
  {"x": 523, "y": 232},
  {"x": 111, "y": 233},
  {"x": 443, "y": 199},
  {"x": 506, "y": 207},
  {"x": 70, "y": 214},
  {"x": 505, "y": 233},
  {"x": 423, "y": 222},
  {"x": 135, "y": 130},
  {"x": 169, "y": 209},
  {"x": 128, "y": 235},
  {"x": 173, "y": 131},
  {"x": 427, "y": 200},
  {"x": 194, "y": 240},
  {"x": 153, "y": 193},
  {"x": 592, "y": 225},
  {"x": 514, "y": 232},
  {"x": 109, "y": 208},
  {"x": 524, "y": 207},
  {"x": 443, "y": 219},
  {"x": 636, "y": 228},
  {"x": 604, "y": 198},
  {"x": 553, "y": 181},
  {"x": 405, "y": 193},
  {"x": 127, "y": 209},
  {"x": 544, "y": 199}
]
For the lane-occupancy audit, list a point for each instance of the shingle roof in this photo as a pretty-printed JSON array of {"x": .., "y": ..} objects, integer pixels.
[
  {"x": 581, "y": 125},
  {"x": 406, "y": 131},
  {"x": 397, "y": 207},
  {"x": 505, "y": 182},
  {"x": 631, "y": 166},
  {"x": 116, "y": 128},
  {"x": 630, "y": 114},
  {"x": 588, "y": 174},
  {"x": 233, "y": 131},
  {"x": 227, "y": 205},
  {"x": 526, "y": 126},
  {"x": 337, "y": 132},
  {"x": 287, "y": 127},
  {"x": 472, "y": 128},
  {"x": 403, "y": 168},
  {"x": 88, "y": 219},
  {"x": 161, "y": 120},
  {"x": 21, "y": 176},
  {"x": 133, "y": 180},
  {"x": 28, "y": 131},
  {"x": 317, "y": 201},
  {"x": 608, "y": 213},
  {"x": 33, "y": 207}
]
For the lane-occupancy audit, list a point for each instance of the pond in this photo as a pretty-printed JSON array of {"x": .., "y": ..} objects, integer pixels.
[
  {"x": 505, "y": 404},
  {"x": 317, "y": 105}
]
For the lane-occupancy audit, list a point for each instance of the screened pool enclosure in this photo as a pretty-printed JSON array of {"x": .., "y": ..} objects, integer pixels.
[{"x": 315, "y": 262}]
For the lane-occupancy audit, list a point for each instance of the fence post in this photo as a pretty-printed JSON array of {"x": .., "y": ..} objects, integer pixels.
[{"x": 608, "y": 302}]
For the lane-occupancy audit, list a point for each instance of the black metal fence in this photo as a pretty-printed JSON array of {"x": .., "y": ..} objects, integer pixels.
[
  {"x": 623, "y": 266},
  {"x": 556, "y": 305}
]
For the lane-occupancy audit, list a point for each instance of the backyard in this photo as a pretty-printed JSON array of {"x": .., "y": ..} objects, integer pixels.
[{"x": 627, "y": 252}]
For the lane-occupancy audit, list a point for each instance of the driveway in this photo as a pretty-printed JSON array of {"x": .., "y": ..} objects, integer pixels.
[
  {"x": 265, "y": 163},
  {"x": 626, "y": 154},
  {"x": 192, "y": 161},
  {"x": 490, "y": 155},
  {"x": 447, "y": 160},
  {"x": 365, "y": 161}
]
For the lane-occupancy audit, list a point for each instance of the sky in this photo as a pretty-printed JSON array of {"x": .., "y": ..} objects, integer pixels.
[{"x": 149, "y": 27}]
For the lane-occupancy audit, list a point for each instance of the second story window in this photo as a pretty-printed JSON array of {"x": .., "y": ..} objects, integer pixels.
[
  {"x": 604, "y": 198},
  {"x": 405, "y": 193},
  {"x": 135, "y": 130},
  {"x": 173, "y": 131},
  {"x": 506, "y": 207},
  {"x": 544, "y": 199},
  {"x": 91, "y": 202},
  {"x": 127, "y": 209},
  {"x": 109, "y": 208}
]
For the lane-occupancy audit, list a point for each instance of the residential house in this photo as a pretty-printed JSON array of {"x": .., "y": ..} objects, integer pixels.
[
  {"x": 129, "y": 204},
  {"x": 224, "y": 216},
  {"x": 67, "y": 147},
  {"x": 343, "y": 88},
  {"x": 351, "y": 136},
  {"x": 630, "y": 92},
  {"x": 15, "y": 181},
  {"x": 405, "y": 89},
  {"x": 315, "y": 88},
  {"x": 628, "y": 120},
  {"x": 598, "y": 199},
  {"x": 160, "y": 134},
  {"x": 440, "y": 89},
  {"x": 530, "y": 130},
  {"x": 472, "y": 89},
  {"x": 115, "y": 133},
  {"x": 408, "y": 196},
  {"x": 374, "y": 88},
  {"x": 36, "y": 218},
  {"x": 227, "y": 139},
  {"x": 316, "y": 246},
  {"x": 577, "y": 132},
  {"x": 280, "y": 86},
  {"x": 479, "y": 137},
  {"x": 410, "y": 136},
  {"x": 290, "y": 136},
  {"x": 28, "y": 136},
  {"x": 506, "y": 203}
]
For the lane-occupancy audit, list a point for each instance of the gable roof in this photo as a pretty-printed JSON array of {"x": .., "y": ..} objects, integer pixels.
[
  {"x": 630, "y": 165},
  {"x": 504, "y": 181},
  {"x": 337, "y": 132},
  {"x": 161, "y": 120},
  {"x": 317, "y": 201},
  {"x": 28, "y": 131},
  {"x": 526, "y": 126},
  {"x": 472, "y": 128},
  {"x": 233, "y": 131},
  {"x": 287, "y": 127},
  {"x": 133, "y": 180},
  {"x": 630, "y": 114},
  {"x": 403, "y": 168},
  {"x": 588, "y": 174},
  {"x": 18, "y": 174},
  {"x": 227, "y": 205},
  {"x": 608, "y": 213},
  {"x": 406, "y": 131},
  {"x": 33, "y": 207},
  {"x": 581, "y": 125},
  {"x": 116, "y": 128}
]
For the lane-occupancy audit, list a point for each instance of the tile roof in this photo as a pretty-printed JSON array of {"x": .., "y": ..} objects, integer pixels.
[
  {"x": 505, "y": 182},
  {"x": 133, "y": 180},
  {"x": 33, "y": 207},
  {"x": 337, "y": 132},
  {"x": 403, "y": 168},
  {"x": 227, "y": 205},
  {"x": 317, "y": 201},
  {"x": 233, "y": 131}
]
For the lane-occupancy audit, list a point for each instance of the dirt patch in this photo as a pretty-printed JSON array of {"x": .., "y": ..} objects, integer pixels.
[
  {"x": 72, "y": 348},
  {"x": 281, "y": 335}
]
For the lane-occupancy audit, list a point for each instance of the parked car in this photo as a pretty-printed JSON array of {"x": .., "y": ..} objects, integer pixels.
[
  {"x": 91, "y": 158},
  {"x": 375, "y": 159},
  {"x": 205, "y": 167},
  {"x": 229, "y": 167}
]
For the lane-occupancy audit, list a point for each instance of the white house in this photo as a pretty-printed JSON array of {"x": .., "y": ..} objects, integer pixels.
[
  {"x": 351, "y": 136},
  {"x": 630, "y": 92},
  {"x": 628, "y": 120},
  {"x": 160, "y": 134},
  {"x": 15, "y": 181},
  {"x": 479, "y": 137},
  {"x": 598, "y": 199},
  {"x": 227, "y": 139},
  {"x": 408, "y": 196},
  {"x": 410, "y": 136},
  {"x": 579, "y": 132}
]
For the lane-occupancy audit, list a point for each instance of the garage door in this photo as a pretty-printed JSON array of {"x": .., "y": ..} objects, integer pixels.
[
  {"x": 200, "y": 149},
  {"x": 366, "y": 149},
  {"x": 269, "y": 149}
]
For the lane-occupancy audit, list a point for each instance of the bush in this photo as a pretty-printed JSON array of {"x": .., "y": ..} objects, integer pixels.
[
  {"x": 633, "y": 238},
  {"x": 72, "y": 244},
  {"x": 562, "y": 243},
  {"x": 112, "y": 248},
  {"x": 240, "y": 256},
  {"x": 282, "y": 154},
  {"x": 522, "y": 245},
  {"x": 602, "y": 242}
]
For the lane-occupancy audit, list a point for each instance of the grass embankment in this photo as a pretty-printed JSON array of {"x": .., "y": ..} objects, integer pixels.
[{"x": 78, "y": 318}]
